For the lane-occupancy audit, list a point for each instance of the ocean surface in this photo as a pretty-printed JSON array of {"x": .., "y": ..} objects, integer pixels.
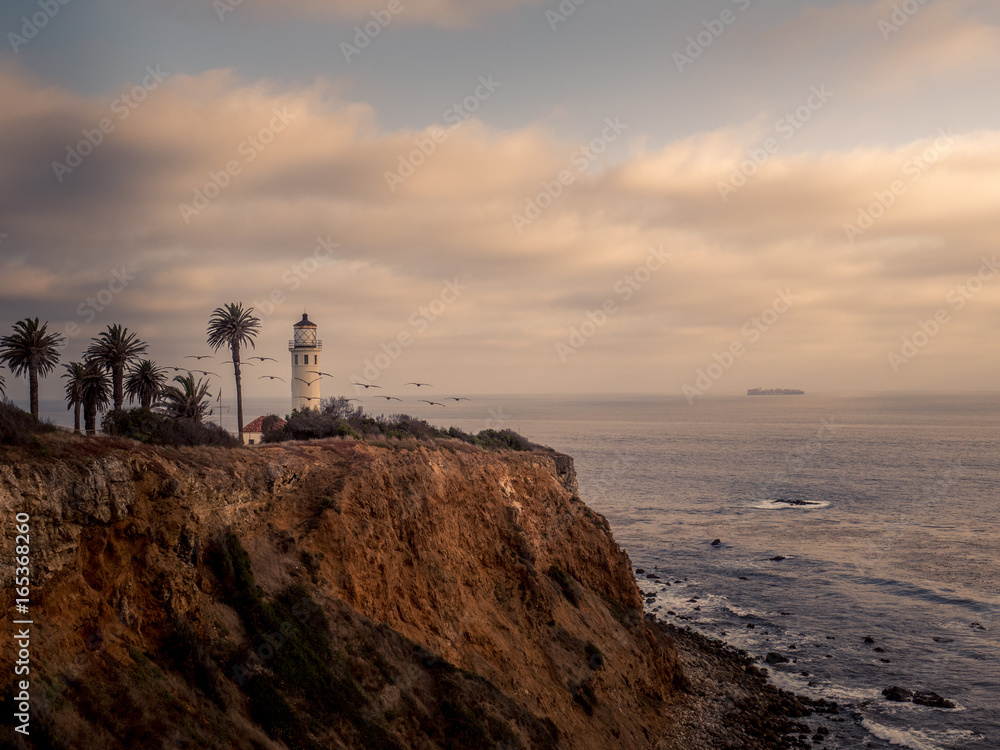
[{"x": 840, "y": 518}]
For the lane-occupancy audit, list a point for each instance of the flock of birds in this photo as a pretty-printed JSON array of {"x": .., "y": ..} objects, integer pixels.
[{"x": 321, "y": 375}]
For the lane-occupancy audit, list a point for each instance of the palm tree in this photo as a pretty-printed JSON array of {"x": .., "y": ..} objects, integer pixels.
[
  {"x": 96, "y": 392},
  {"x": 31, "y": 350},
  {"x": 75, "y": 373},
  {"x": 115, "y": 348},
  {"x": 234, "y": 327},
  {"x": 144, "y": 382},
  {"x": 187, "y": 402}
]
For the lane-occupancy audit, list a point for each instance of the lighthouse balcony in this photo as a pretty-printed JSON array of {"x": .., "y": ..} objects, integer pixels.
[{"x": 313, "y": 344}]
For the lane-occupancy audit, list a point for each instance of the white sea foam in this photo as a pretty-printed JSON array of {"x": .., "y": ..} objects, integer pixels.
[
  {"x": 778, "y": 505},
  {"x": 916, "y": 739}
]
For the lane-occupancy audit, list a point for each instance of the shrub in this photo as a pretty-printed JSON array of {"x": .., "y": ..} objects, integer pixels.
[
  {"x": 565, "y": 581},
  {"x": 18, "y": 427},
  {"x": 157, "y": 429},
  {"x": 336, "y": 417}
]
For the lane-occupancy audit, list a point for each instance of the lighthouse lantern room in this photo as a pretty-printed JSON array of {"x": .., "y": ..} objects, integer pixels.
[{"x": 305, "y": 348}]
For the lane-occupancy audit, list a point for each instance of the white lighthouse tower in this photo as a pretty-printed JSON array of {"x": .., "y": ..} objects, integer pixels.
[{"x": 305, "y": 349}]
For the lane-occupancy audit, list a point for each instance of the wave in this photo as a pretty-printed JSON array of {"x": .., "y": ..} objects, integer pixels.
[
  {"x": 783, "y": 505},
  {"x": 916, "y": 739}
]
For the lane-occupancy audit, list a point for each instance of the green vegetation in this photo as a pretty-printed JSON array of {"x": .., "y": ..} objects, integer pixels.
[
  {"x": 337, "y": 417},
  {"x": 189, "y": 402},
  {"x": 157, "y": 429},
  {"x": 627, "y": 616},
  {"x": 594, "y": 656},
  {"x": 565, "y": 581},
  {"x": 32, "y": 351},
  {"x": 145, "y": 382},
  {"x": 232, "y": 326},
  {"x": 17, "y": 427},
  {"x": 96, "y": 392},
  {"x": 114, "y": 349},
  {"x": 304, "y": 685}
]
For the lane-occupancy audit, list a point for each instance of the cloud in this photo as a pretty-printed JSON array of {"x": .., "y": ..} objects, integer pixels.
[
  {"x": 881, "y": 48},
  {"x": 444, "y": 13},
  {"x": 284, "y": 174}
]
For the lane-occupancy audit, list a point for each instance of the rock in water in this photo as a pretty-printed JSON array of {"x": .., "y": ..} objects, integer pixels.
[
  {"x": 773, "y": 657},
  {"x": 716, "y": 542},
  {"x": 869, "y": 639},
  {"x": 897, "y": 693},
  {"x": 928, "y": 698}
]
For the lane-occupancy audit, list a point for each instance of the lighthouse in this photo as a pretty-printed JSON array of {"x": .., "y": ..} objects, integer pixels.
[{"x": 305, "y": 349}]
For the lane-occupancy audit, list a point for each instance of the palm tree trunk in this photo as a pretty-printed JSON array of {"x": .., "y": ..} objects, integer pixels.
[
  {"x": 76, "y": 417},
  {"x": 239, "y": 389},
  {"x": 33, "y": 390},
  {"x": 90, "y": 418},
  {"x": 117, "y": 378},
  {"x": 145, "y": 401}
]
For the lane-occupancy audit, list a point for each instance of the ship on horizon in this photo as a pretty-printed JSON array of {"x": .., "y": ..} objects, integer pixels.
[{"x": 774, "y": 392}]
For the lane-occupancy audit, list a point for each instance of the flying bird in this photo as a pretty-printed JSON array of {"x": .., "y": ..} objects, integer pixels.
[
  {"x": 264, "y": 359},
  {"x": 309, "y": 382},
  {"x": 418, "y": 384},
  {"x": 432, "y": 403},
  {"x": 199, "y": 357},
  {"x": 178, "y": 369},
  {"x": 366, "y": 385},
  {"x": 271, "y": 377},
  {"x": 456, "y": 398},
  {"x": 321, "y": 374},
  {"x": 312, "y": 398},
  {"x": 389, "y": 398},
  {"x": 206, "y": 373}
]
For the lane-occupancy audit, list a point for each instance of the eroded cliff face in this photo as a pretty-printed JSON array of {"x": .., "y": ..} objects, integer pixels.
[{"x": 191, "y": 585}]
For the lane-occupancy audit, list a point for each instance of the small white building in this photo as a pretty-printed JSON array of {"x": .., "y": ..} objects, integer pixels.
[{"x": 253, "y": 433}]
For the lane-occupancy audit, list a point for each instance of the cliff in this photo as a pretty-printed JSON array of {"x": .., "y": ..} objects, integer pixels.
[{"x": 330, "y": 594}]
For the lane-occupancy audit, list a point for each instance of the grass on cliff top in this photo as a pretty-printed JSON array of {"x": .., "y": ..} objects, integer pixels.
[
  {"x": 18, "y": 427},
  {"x": 337, "y": 417}
]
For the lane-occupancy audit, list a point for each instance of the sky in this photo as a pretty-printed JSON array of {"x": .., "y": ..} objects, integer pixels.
[{"x": 519, "y": 196}]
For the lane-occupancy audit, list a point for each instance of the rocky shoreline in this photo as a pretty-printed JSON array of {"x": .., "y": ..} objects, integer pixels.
[{"x": 729, "y": 703}]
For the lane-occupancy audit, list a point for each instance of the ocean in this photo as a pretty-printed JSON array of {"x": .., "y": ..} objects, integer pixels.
[{"x": 839, "y": 517}]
